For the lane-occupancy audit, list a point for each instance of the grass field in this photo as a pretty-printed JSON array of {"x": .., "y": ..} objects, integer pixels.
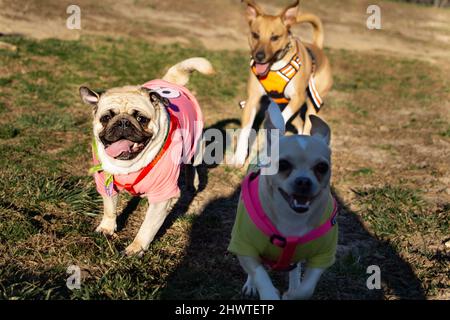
[{"x": 391, "y": 148}]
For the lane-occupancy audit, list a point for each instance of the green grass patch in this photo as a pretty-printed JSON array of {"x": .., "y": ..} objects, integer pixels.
[
  {"x": 47, "y": 121},
  {"x": 357, "y": 110},
  {"x": 404, "y": 79},
  {"x": 392, "y": 210},
  {"x": 16, "y": 285},
  {"x": 349, "y": 266},
  {"x": 42, "y": 194},
  {"x": 445, "y": 133},
  {"x": 8, "y": 131},
  {"x": 17, "y": 228}
]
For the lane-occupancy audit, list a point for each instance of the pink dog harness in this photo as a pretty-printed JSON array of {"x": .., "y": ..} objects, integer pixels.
[
  {"x": 250, "y": 197},
  {"x": 159, "y": 179}
]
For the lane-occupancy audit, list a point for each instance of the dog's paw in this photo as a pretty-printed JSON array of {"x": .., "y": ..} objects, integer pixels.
[
  {"x": 134, "y": 249},
  {"x": 249, "y": 290},
  {"x": 107, "y": 227}
]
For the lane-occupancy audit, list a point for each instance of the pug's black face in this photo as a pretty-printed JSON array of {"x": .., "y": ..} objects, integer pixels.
[{"x": 124, "y": 135}]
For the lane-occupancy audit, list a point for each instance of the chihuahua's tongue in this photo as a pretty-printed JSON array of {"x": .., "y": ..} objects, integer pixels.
[
  {"x": 117, "y": 148},
  {"x": 261, "y": 69}
]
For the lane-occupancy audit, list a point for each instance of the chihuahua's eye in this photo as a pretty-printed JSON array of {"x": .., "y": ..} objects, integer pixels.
[
  {"x": 284, "y": 165},
  {"x": 275, "y": 38},
  {"x": 321, "y": 168},
  {"x": 255, "y": 36},
  {"x": 105, "y": 118}
]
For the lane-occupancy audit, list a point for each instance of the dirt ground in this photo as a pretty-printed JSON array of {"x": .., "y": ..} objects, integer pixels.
[
  {"x": 410, "y": 31},
  {"x": 392, "y": 140}
]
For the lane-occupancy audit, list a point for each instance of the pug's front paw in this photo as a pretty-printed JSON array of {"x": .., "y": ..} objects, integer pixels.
[
  {"x": 107, "y": 227},
  {"x": 134, "y": 249}
]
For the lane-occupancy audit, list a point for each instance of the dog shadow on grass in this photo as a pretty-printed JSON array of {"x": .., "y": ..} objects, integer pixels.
[{"x": 208, "y": 271}]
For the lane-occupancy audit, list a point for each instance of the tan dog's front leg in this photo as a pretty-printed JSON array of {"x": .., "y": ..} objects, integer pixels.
[
  {"x": 305, "y": 289},
  {"x": 108, "y": 224},
  {"x": 292, "y": 108},
  {"x": 258, "y": 278},
  {"x": 154, "y": 218},
  {"x": 252, "y": 106},
  {"x": 311, "y": 110}
]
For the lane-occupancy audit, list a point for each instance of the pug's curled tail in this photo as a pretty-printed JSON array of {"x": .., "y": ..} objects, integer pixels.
[{"x": 179, "y": 73}]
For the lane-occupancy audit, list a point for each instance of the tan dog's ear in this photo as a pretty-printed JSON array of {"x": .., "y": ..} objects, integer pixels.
[
  {"x": 253, "y": 10},
  {"x": 320, "y": 129},
  {"x": 156, "y": 99},
  {"x": 289, "y": 15},
  {"x": 89, "y": 96},
  {"x": 274, "y": 121}
]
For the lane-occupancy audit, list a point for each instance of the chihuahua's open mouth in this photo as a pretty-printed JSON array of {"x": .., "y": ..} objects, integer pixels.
[
  {"x": 125, "y": 149},
  {"x": 298, "y": 203}
]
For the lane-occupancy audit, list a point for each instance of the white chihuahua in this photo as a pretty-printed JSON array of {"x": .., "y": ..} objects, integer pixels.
[{"x": 290, "y": 217}]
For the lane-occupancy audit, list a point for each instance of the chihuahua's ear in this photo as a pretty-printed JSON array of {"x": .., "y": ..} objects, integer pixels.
[
  {"x": 89, "y": 96},
  {"x": 252, "y": 10},
  {"x": 274, "y": 121},
  {"x": 155, "y": 98},
  {"x": 289, "y": 15},
  {"x": 320, "y": 129}
]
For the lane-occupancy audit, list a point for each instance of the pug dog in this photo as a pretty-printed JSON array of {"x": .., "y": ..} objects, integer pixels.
[
  {"x": 142, "y": 136},
  {"x": 288, "y": 218}
]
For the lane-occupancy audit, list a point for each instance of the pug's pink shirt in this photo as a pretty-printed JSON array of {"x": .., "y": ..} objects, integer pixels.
[{"x": 161, "y": 183}]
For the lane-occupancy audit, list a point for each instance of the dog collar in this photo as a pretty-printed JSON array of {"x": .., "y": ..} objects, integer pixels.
[
  {"x": 286, "y": 49},
  {"x": 250, "y": 197}
]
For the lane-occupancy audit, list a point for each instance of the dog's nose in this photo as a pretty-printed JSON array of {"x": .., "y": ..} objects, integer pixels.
[
  {"x": 125, "y": 123},
  {"x": 303, "y": 184},
  {"x": 260, "y": 56}
]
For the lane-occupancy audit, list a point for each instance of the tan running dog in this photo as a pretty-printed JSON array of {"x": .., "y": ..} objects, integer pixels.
[{"x": 289, "y": 71}]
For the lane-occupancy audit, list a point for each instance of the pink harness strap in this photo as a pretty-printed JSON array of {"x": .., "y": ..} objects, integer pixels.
[{"x": 250, "y": 196}]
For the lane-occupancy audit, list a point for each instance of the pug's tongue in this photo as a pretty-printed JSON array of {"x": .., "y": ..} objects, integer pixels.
[
  {"x": 261, "y": 69},
  {"x": 118, "y": 147}
]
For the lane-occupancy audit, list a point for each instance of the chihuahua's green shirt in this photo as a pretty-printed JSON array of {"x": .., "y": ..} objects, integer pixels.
[{"x": 248, "y": 240}]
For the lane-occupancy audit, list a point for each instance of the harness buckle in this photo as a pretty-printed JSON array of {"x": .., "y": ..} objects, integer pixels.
[
  {"x": 130, "y": 188},
  {"x": 280, "y": 241}
]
